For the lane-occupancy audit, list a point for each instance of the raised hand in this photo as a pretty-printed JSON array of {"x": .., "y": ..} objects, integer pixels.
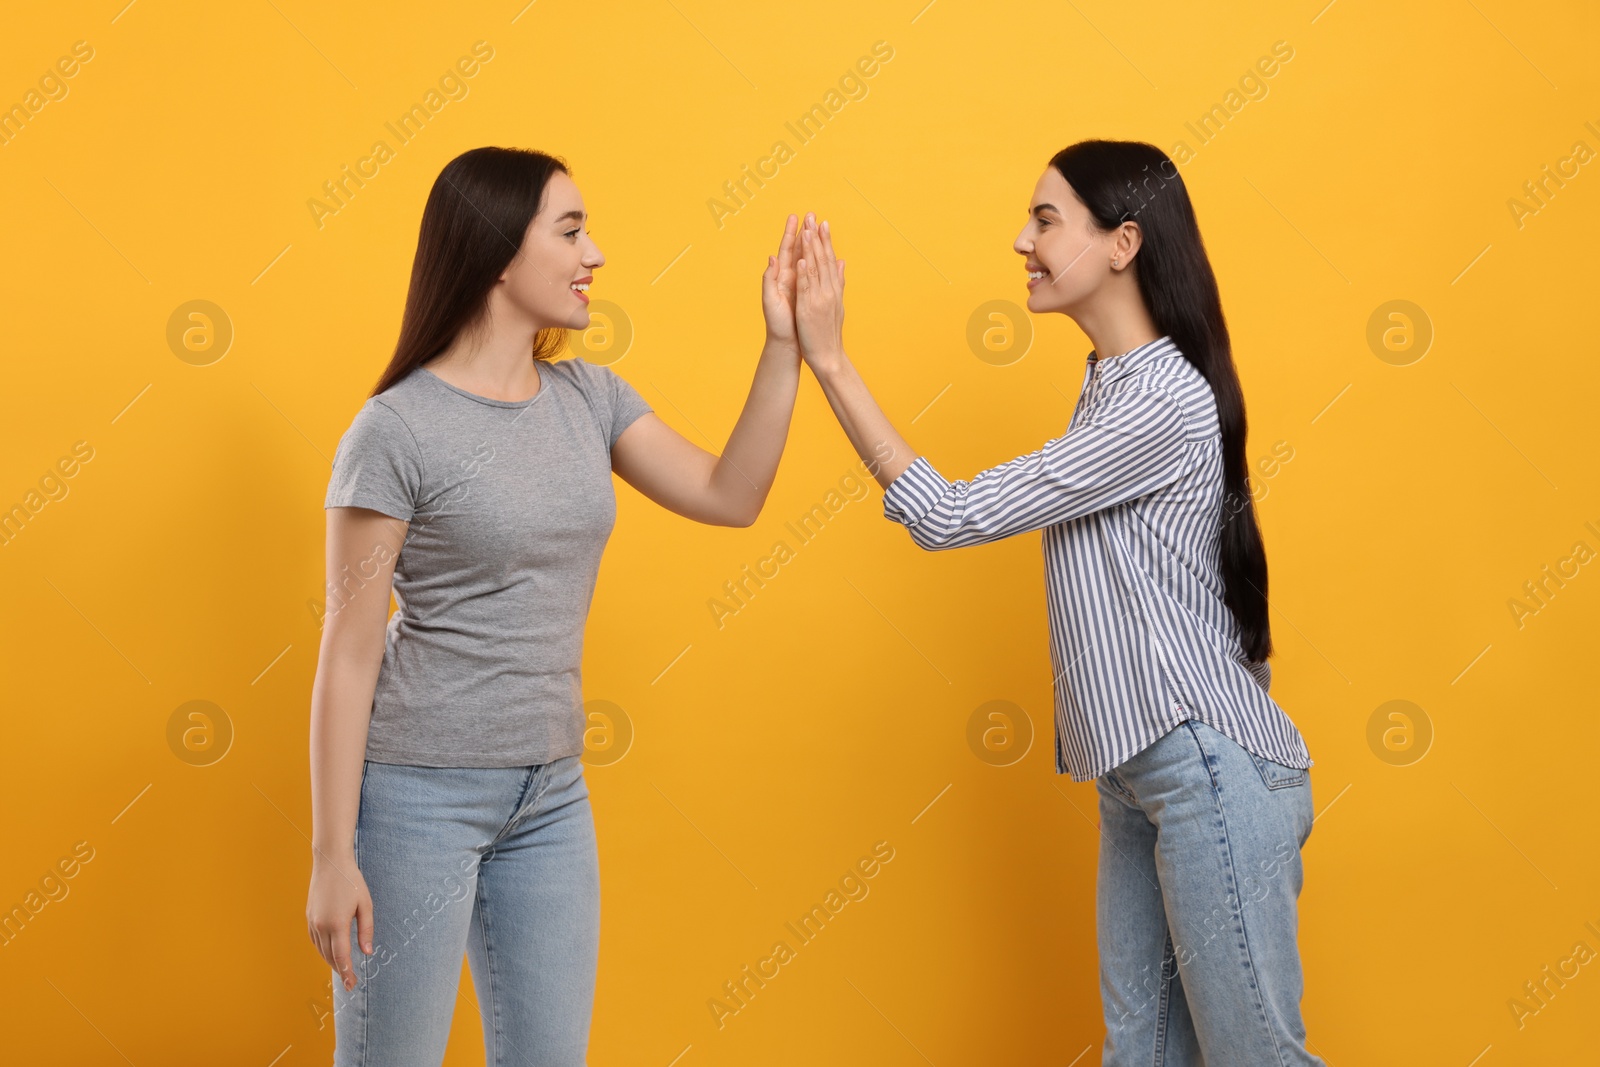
[
  {"x": 819, "y": 297},
  {"x": 778, "y": 289}
]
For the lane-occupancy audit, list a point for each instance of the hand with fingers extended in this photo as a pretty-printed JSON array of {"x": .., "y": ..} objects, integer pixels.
[
  {"x": 819, "y": 298},
  {"x": 338, "y": 896},
  {"x": 777, "y": 291}
]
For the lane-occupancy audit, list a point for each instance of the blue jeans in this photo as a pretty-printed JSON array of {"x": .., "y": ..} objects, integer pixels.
[
  {"x": 498, "y": 863},
  {"x": 1196, "y": 905}
]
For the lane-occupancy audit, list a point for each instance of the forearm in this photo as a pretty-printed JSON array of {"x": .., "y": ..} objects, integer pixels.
[
  {"x": 875, "y": 439},
  {"x": 341, "y": 711},
  {"x": 743, "y": 475}
]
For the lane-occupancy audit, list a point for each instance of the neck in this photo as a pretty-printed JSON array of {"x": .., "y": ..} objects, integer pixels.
[
  {"x": 498, "y": 363},
  {"x": 1120, "y": 323}
]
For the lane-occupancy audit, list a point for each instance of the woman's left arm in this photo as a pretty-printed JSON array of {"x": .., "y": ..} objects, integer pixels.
[{"x": 727, "y": 490}]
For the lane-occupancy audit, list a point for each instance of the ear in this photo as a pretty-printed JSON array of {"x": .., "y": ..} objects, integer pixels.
[{"x": 1130, "y": 239}]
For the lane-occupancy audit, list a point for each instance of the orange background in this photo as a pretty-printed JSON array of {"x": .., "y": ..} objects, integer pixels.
[{"x": 182, "y": 560}]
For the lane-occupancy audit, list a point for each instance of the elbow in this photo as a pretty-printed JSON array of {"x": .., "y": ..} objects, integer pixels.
[
  {"x": 741, "y": 510},
  {"x": 727, "y": 522},
  {"x": 711, "y": 508},
  {"x": 746, "y": 517},
  {"x": 739, "y": 520},
  {"x": 927, "y": 540}
]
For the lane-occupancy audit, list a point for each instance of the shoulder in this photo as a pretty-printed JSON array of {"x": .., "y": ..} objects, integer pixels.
[
  {"x": 379, "y": 416},
  {"x": 579, "y": 372},
  {"x": 1144, "y": 396},
  {"x": 382, "y": 423},
  {"x": 570, "y": 369},
  {"x": 575, "y": 380},
  {"x": 608, "y": 393},
  {"x": 401, "y": 403},
  {"x": 1175, "y": 384},
  {"x": 378, "y": 463}
]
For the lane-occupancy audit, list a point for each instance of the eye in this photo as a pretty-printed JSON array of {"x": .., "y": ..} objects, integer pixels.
[{"x": 570, "y": 233}]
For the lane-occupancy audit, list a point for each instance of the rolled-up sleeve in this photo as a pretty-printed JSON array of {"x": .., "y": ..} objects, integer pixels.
[{"x": 1133, "y": 443}]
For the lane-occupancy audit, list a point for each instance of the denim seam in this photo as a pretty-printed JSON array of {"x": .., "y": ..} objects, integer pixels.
[
  {"x": 1216, "y": 795},
  {"x": 366, "y": 1019},
  {"x": 364, "y": 988},
  {"x": 493, "y": 1054},
  {"x": 1163, "y": 1008}
]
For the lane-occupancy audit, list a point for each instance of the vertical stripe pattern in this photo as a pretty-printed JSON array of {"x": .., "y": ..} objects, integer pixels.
[{"x": 1129, "y": 500}]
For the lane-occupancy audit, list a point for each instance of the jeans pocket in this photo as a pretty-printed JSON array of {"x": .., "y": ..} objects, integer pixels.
[{"x": 1275, "y": 775}]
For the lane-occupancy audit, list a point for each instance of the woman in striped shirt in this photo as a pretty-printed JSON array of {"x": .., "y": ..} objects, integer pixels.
[{"x": 1156, "y": 585}]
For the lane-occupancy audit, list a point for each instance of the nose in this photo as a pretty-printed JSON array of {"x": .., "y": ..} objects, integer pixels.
[
  {"x": 1022, "y": 245},
  {"x": 594, "y": 257}
]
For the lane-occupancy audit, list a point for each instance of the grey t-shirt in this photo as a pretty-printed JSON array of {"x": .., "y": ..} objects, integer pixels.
[{"x": 510, "y": 505}]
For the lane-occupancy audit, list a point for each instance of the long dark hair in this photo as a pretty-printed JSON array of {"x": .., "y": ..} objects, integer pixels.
[
  {"x": 1123, "y": 181},
  {"x": 477, "y": 212}
]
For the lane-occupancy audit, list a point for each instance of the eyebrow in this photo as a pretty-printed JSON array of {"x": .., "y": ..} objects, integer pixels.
[
  {"x": 573, "y": 214},
  {"x": 1044, "y": 207}
]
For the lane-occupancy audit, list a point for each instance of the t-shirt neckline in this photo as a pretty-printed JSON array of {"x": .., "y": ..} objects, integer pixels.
[{"x": 544, "y": 387}]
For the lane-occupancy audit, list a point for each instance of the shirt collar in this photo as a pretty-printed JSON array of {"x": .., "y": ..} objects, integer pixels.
[{"x": 1130, "y": 361}]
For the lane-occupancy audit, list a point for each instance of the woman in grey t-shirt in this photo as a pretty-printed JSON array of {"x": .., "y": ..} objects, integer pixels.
[{"x": 450, "y": 813}]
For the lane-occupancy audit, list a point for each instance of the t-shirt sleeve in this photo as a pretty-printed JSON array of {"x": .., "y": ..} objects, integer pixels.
[
  {"x": 620, "y": 404},
  {"x": 377, "y": 464}
]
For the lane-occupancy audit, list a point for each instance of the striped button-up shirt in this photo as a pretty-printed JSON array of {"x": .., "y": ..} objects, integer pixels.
[{"x": 1130, "y": 500}]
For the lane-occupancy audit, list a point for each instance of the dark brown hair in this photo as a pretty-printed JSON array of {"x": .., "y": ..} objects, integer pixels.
[
  {"x": 1121, "y": 181},
  {"x": 472, "y": 226}
]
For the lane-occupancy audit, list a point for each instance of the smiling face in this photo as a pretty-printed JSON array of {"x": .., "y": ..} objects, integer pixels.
[
  {"x": 1060, "y": 244},
  {"x": 547, "y": 279}
]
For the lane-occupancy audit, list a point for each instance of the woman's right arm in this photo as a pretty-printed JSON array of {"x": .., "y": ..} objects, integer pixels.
[
  {"x": 362, "y": 548},
  {"x": 1132, "y": 444}
]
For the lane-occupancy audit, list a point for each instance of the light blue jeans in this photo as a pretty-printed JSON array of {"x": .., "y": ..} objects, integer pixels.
[
  {"x": 1196, "y": 905},
  {"x": 499, "y": 864}
]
